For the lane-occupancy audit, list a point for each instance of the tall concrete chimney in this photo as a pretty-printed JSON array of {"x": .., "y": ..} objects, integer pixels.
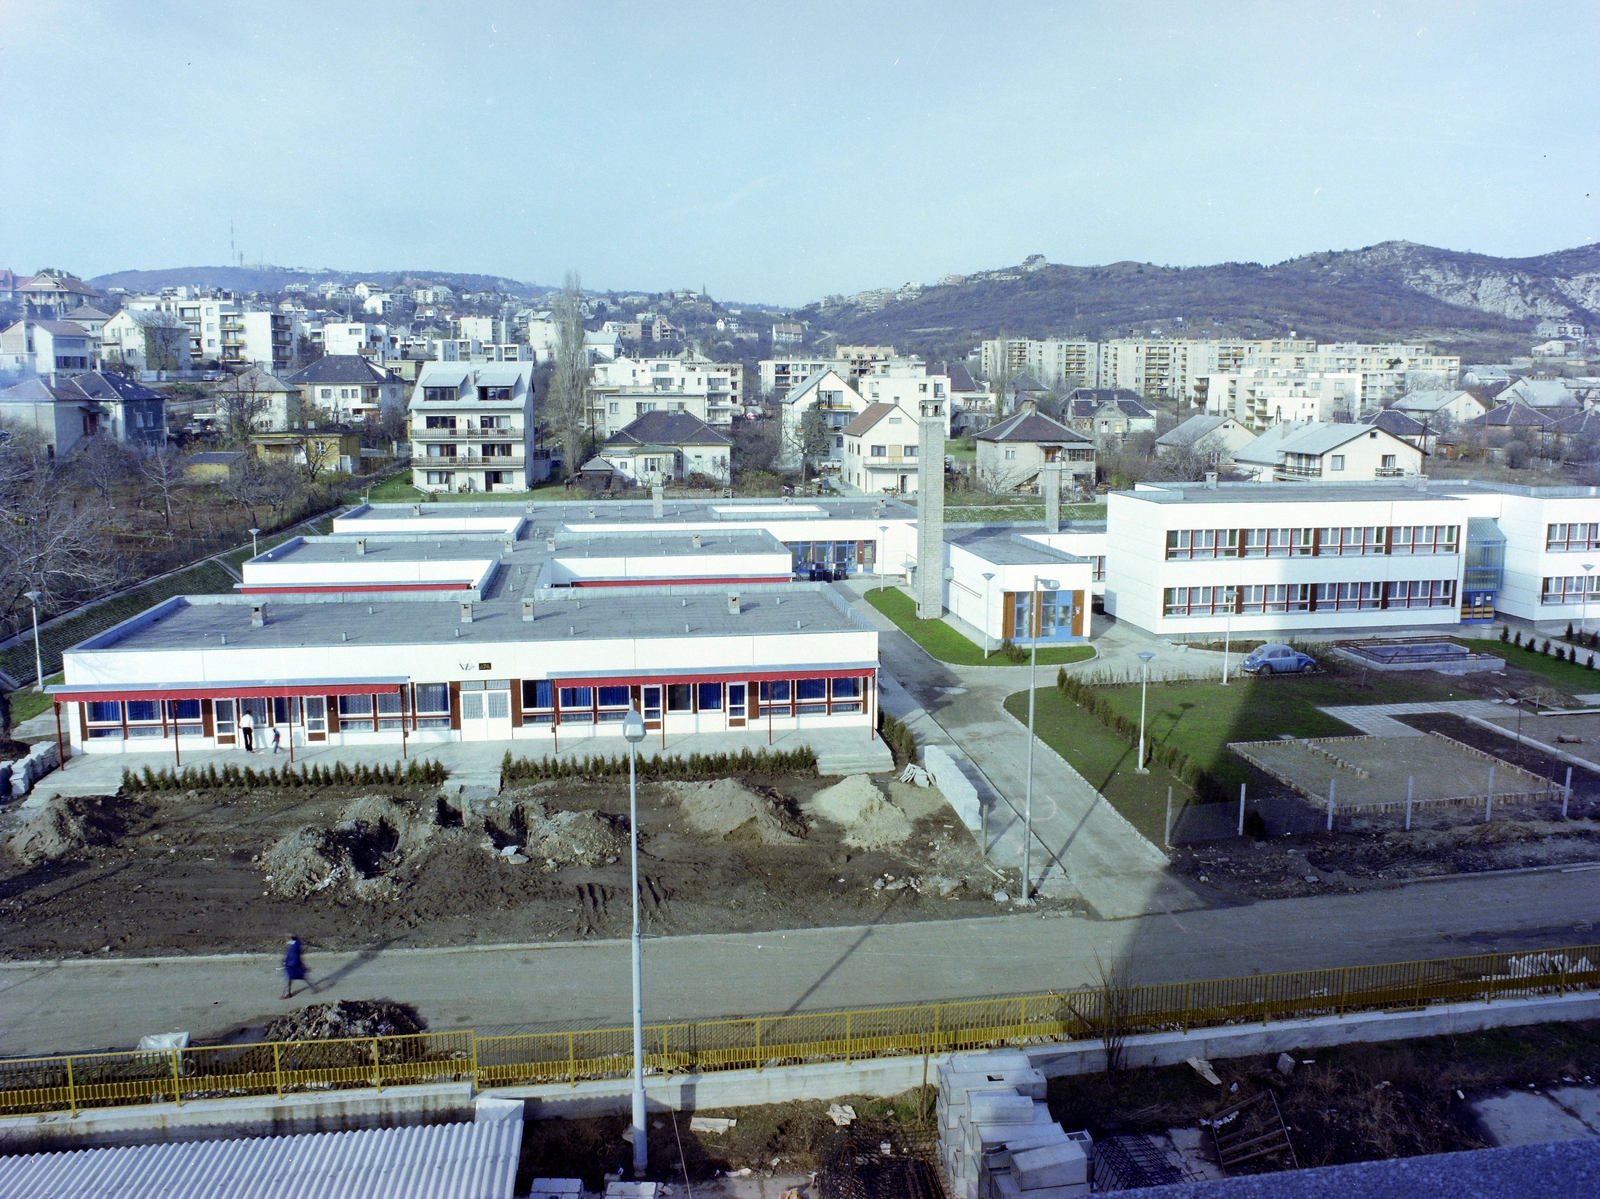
[
  {"x": 930, "y": 519},
  {"x": 658, "y": 496},
  {"x": 1050, "y": 481}
]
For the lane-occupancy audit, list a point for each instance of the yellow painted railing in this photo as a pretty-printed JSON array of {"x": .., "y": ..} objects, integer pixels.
[{"x": 100, "y": 1080}]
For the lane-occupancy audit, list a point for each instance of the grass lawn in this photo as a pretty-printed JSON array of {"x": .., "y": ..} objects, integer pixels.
[
  {"x": 969, "y": 512},
  {"x": 1104, "y": 759},
  {"x": 28, "y": 703},
  {"x": 1200, "y": 718},
  {"x": 397, "y": 489},
  {"x": 1565, "y": 676},
  {"x": 944, "y": 643}
]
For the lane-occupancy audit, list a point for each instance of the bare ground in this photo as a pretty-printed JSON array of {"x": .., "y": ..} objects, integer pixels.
[{"x": 189, "y": 872}]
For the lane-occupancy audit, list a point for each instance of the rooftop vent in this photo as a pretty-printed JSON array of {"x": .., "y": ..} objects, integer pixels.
[
  {"x": 361, "y": 545},
  {"x": 733, "y": 604},
  {"x": 527, "y": 609},
  {"x": 416, "y": 509},
  {"x": 530, "y": 507},
  {"x": 466, "y": 612},
  {"x": 258, "y": 615},
  {"x": 550, "y": 543},
  {"x": 510, "y": 545},
  {"x": 1211, "y": 478},
  {"x": 224, "y": 639},
  {"x": 695, "y": 541}
]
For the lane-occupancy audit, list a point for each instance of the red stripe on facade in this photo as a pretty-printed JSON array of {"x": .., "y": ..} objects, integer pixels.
[
  {"x": 337, "y": 588},
  {"x": 225, "y": 692},
  {"x": 724, "y": 676},
  {"x": 717, "y": 581}
]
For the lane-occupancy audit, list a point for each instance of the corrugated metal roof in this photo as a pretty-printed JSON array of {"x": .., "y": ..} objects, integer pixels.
[{"x": 440, "y": 1161}]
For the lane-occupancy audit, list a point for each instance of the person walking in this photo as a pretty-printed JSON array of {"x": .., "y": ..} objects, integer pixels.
[
  {"x": 294, "y": 968},
  {"x": 247, "y": 727},
  {"x": 275, "y": 738}
]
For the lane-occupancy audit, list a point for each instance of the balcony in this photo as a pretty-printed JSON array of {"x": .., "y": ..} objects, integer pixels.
[{"x": 467, "y": 434}]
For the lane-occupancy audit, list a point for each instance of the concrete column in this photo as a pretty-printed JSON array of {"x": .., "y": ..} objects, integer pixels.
[
  {"x": 930, "y": 519},
  {"x": 1051, "y": 485},
  {"x": 658, "y": 494}
]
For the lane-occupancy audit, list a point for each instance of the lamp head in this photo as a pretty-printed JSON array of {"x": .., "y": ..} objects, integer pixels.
[
  {"x": 1144, "y": 656},
  {"x": 32, "y": 596},
  {"x": 633, "y": 727},
  {"x": 988, "y": 575},
  {"x": 1048, "y": 584},
  {"x": 254, "y": 532}
]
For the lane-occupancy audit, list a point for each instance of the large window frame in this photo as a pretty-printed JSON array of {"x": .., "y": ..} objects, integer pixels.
[{"x": 1572, "y": 538}]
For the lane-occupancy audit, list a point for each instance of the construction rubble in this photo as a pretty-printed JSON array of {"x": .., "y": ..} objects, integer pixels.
[{"x": 996, "y": 1138}]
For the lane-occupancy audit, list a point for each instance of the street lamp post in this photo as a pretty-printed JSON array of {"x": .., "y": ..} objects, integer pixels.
[
  {"x": 633, "y": 730},
  {"x": 1227, "y": 637},
  {"x": 1584, "y": 619},
  {"x": 1033, "y": 670},
  {"x": 253, "y": 533},
  {"x": 988, "y": 576},
  {"x": 877, "y": 559},
  {"x": 1144, "y": 686},
  {"x": 38, "y": 658}
]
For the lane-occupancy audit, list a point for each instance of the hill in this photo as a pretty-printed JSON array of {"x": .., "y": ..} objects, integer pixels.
[
  {"x": 1472, "y": 302},
  {"x": 274, "y": 279}
]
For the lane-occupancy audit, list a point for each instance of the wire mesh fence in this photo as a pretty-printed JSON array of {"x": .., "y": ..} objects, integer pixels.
[{"x": 100, "y": 1080}]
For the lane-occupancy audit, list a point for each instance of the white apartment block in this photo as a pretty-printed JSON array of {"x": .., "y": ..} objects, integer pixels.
[
  {"x": 914, "y": 390},
  {"x": 1260, "y": 397},
  {"x": 141, "y": 339},
  {"x": 359, "y": 337},
  {"x": 854, "y": 363},
  {"x": 625, "y": 389},
  {"x": 49, "y": 348},
  {"x": 839, "y": 402},
  {"x": 1387, "y": 370},
  {"x": 472, "y": 427}
]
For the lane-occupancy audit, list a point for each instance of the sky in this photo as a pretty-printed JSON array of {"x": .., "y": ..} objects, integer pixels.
[{"x": 781, "y": 152}]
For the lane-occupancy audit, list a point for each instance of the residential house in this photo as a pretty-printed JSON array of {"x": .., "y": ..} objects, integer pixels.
[
  {"x": 1082, "y": 403},
  {"x": 89, "y": 317},
  {"x": 203, "y": 314},
  {"x": 602, "y": 346},
  {"x": 52, "y": 295},
  {"x": 1577, "y": 437},
  {"x": 359, "y": 338},
  {"x": 1024, "y": 389},
  {"x": 135, "y": 415},
  {"x": 215, "y": 466},
  {"x": 1336, "y": 453},
  {"x": 1516, "y": 421},
  {"x": 1263, "y": 396},
  {"x": 778, "y": 375},
  {"x": 662, "y": 447},
  {"x": 58, "y": 348},
  {"x": 325, "y": 449},
  {"x": 1441, "y": 410},
  {"x": 831, "y": 393},
  {"x": 880, "y": 451},
  {"x": 1562, "y": 326},
  {"x": 1404, "y": 426},
  {"x": 349, "y": 387},
  {"x": 788, "y": 333},
  {"x": 1541, "y": 393},
  {"x": 911, "y": 387},
  {"x": 1214, "y": 440},
  {"x": 1109, "y": 415},
  {"x": 262, "y": 399},
  {"x": 473, "y": 428},
  {"x": 625, "y": 389},
  {"x": 1012, "y": 453},
  {"x": 63, "y": 416},
  {"x": 146, "y": 340}
]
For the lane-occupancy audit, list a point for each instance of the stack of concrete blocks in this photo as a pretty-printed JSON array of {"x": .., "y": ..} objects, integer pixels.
[
  {"x": 556, "y": 1188},
  {"x": 996, "y": 1138},
  {"x": 25, "y": 772}
]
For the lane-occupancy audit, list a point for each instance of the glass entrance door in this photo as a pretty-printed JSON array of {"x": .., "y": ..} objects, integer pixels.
[
  {"x": 486, "y": 710},
  {"x": 737, "y": 693},
  {"x": 651, "y": 698}
]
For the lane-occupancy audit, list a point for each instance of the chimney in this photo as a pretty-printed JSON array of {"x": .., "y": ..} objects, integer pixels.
[
  {"x": 530, "y": 508},
  {"x": 361, "y": 545},
  {"x": 258, "y": 615},
  {"x": 695, "y": 540},
  {"x": 527, "y": 609},
  {"x": 733, "y": 604},
  {"x": 1052, "y": 497},
  {"x": 510, "y": 545},
  {"x": 1211, "y": 478},
  {"x": 466, "y": 612},
  {"x": 416, "y": 509},
  {"x": 929, "y": 587},
  {"x": 658, "y": 495},
  {"x": 550, "y": 543}
]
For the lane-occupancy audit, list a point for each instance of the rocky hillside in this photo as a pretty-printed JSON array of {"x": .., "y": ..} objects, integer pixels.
[{"x": 1396, "y": 289}]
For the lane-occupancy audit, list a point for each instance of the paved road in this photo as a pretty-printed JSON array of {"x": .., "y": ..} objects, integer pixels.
[
  {"x": 1083, "y": 844},
  {"x": 96, "y": 1004}
]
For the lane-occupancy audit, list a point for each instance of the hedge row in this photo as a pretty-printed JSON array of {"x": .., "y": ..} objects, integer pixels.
[
  {"x": 231, "y": 777},
  {"x": 1207, "y": 787},
  {"x": 695, "y": 766},
  {"x": 898, "y": 738},
  {"x": 1563, "y": 653}
]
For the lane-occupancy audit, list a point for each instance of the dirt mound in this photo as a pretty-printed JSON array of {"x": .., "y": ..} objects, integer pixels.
[
  {"x": 373, "y": 835},
  {"x": 345, "y": 1019},
  {"x": 66, "y": 824},
  {"x": 559, "y": 838},
  {"x": 720, "y": 808},
  {"x": 858, "y": 807}
]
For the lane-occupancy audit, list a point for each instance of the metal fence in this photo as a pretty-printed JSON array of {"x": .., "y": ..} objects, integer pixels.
[{"x": 101, "y": 1080}]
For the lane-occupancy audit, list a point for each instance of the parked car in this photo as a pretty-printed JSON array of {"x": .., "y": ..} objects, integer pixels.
[{"x": 1277, "y": 659}]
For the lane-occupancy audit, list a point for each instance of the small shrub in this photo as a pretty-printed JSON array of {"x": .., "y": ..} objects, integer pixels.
[
  {"x": 1545, "y": 648},
  {"x": 1561, "y": 653},
  {"x": 898, "y": 738},
  {"x": 1012, "y": 652},
  {"x": 1505, "y": 633},
  {"x": 1518, "y": 639},
  {"x": 695, "y": 766},
  {"x": 232, "y": 778},
  {"x": 1569, "y": 630},
  {"x": 1589, "y": 665}
]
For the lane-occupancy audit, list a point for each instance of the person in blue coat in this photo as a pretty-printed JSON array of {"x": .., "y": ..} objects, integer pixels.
[{"x": 294, "y": 968}]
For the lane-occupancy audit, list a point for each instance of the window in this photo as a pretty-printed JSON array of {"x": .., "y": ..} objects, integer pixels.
[
  {"x": 847, "y": 688},
  {"x": 710, "y": 696},
  {"x": 1343, "y": 542},
  {"x": 1349, "y": 597},
  {"x": 776, "y": 692},
  {"x": 576, "y": 697},
  {"x": 909, "y": 451},
  {"x": 1570, "y": 589},
  {"x": 879, "y": 451},
  {"x": 1566, "y": 538},
  {"x": 433, "y": 395},
  {"x": 1197, "y": 601},
  {"x": 614, "y": 697},
  {"x": 433, "y": 706},
  {"x": 680, "y": 697},
  {"x": 441, "y": 422},
  {"x": 1423, "y": 539},
  {"x": 355, "y": 712},
  {"x": 1274, "y": 543},
  {"x": 1336, "y": 462},
  {"x": 1436, "y": 593},
  {"x": 1011, "y": 455},
  {"x": 1099, "y": 568},
  {"x": 441, "y": 478},
  {"x": 1202, "y": 543},
  {"x": 1047, "y": 613},
  {"x": 1388, "y": 462},
  {"x": 816, "y": 692}
]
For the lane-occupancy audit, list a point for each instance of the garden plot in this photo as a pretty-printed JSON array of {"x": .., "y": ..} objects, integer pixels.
[{"x": 1372, "y": 772}]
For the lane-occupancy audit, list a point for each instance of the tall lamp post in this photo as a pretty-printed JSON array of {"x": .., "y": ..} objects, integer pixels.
[
  {"x": 1583, "y": 620},
  {"x": 38, "y": 659},
  {"x": 1144, "y": 686},
  {"x": 877, "y": 559},
  {"x": 1033, "y": 671},
  {"x": 988, "y": 577},
  {"x": 253, "y": 533},
  {"x": 1227, "y": 635},
  {"x": 633, "y": 730}
]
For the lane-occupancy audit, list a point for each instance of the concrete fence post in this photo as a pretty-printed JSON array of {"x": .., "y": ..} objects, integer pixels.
[
  {"x": 1166, "y": 836},
  {"x": 277, "y": 1066},
  {"x": 1410, "y": 779},
  {"x": 1241, "y": 809},
  {"x": 72, "y": 1089},
  {"x": 1566, "y": 793},
  {"x": 1488, "y": 800},
  {"x": 1331, "y": 784}
]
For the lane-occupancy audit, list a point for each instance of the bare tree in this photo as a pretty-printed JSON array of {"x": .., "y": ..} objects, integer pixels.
[
  {"x": 241, "y": 404},
  {"x": 569, "y": 382},
  {"x": 103, "y": 464},
  {"x": 163, "y": 471},
  {"x": 317, "y": 450}
]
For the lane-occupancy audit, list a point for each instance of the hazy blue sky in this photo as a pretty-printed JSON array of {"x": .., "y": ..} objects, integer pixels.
[{"x": 783, "y": 151}]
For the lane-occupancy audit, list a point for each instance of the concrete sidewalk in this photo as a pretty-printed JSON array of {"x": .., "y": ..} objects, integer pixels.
[
  {"x": 106, "y": 1002},
  {"x": 1082, "y": 844},
  {"x": 1378, "y": 720}
]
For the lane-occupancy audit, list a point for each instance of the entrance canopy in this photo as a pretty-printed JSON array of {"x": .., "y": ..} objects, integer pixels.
[{"x": 245, "y": 689}]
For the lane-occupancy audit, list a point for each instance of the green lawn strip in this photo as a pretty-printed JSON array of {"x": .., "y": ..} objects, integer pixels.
[
  {"x": 28, "y": 703},
  {"x": 1200, "y": 718},
  {"x": 1017, "y": 513},
  {"x": 205, "y": 578},
  {"x": 1104, "y": 759},
  {"x": 947, "y": 645},
  {"x": 1569, "y": 677}
]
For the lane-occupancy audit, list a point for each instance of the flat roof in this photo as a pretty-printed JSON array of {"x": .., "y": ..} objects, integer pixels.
[
  {"x": 1003, "y": 547},
  {"x": 1290, "y": 493},
  {"x": 554, "y": 514},
  {"x": 529, "y": 553},
  {"x": 200, "y": 622}
]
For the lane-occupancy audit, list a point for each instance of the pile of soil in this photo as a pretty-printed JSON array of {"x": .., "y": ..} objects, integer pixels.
[
  {"x": 721, "y": 808},
  {"x": 556, "y": 838},
  {"x": 372, "y": 836},
  {"x": 66, "y": 824},
  {"x": 346, "y": 1019},
  {"x": 857, "y": 806}
]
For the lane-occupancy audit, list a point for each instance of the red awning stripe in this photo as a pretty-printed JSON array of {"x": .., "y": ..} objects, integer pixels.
[
  {"x": 107, "y": 693},
  {"x": 725, "y": 676},
  {"x": 705, "y": 581},
  {"x": 337, "y": 588}
]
